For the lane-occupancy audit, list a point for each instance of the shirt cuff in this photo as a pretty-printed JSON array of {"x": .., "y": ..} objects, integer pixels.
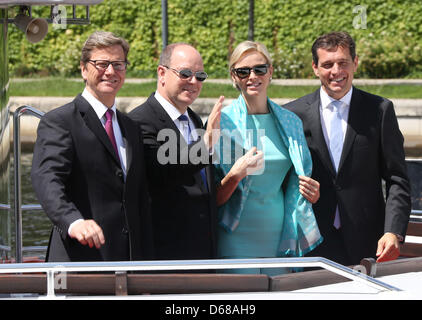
[
  {"x": 399, "y": 236},
  {"x": 72, "y": 224}
]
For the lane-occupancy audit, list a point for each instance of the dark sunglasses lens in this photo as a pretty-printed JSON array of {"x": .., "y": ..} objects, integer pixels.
[
  {"x": 260, "y": 70},
  {"x": 242, "y": 72},
  {"x": 201, "y": 75},
  {"x": 185, "y": 73}
]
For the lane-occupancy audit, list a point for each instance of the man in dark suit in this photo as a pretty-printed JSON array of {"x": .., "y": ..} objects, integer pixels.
[
  {"x": 88, "y": 169},
  {"x": 355, "y": 143},
  {"x": 178, "y": 156}
]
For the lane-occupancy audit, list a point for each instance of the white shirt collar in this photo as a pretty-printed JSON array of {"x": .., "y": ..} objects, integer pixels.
[
  {"x": 99, "y": 108},
  {"x": 172, "y": 111},
  {"x": 326, "y": 99}
]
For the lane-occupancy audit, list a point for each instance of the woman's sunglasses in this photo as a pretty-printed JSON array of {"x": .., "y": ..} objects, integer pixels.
[
  {"x": 244, "y": 72},
  {"x": 186, "y": 74}
]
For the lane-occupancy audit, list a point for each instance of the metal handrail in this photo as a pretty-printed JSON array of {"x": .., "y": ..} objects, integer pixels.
[
  {"x": 17, "y": 173},
  {"x": 51, "y": 268}
]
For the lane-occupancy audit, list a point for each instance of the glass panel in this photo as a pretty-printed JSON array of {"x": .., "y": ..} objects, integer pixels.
[
  {"x": 5, "y": 212},
  {"x": 414, "y": 169}
]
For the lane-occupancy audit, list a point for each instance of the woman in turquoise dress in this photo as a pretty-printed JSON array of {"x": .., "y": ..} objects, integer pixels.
[{"x": 263, "y": 166}]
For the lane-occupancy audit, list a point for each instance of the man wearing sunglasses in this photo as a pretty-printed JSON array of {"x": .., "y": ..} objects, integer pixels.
[
  {"x": 355, "y": 143},
  {"x": 183, "y": 190},
  {"x": 88, "y": 169}
]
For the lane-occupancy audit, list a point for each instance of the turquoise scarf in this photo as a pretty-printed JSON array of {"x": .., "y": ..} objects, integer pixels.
[{"x": 300, "y": 233}]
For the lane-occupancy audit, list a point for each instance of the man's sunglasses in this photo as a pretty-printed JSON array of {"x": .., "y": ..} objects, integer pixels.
[
  {"x": 186, "y": 74},
  {"x": 244, "y": 72}
]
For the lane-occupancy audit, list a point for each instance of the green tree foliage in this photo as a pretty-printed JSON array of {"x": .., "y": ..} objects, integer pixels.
[{"x": 388, "y": 34}]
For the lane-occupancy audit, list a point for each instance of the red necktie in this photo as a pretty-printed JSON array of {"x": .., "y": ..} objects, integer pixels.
[{"x": 109, "y": 130}]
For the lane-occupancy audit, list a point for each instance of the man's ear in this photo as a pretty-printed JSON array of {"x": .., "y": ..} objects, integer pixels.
[
  {"x": 315, "y": 68},
  {"x": 356, "y": 63},
  {"x": 83, "y": 70},
  {"x": 161, "y": 71}
]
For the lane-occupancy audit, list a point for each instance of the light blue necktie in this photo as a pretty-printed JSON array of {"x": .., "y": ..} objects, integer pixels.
[
  {"x": 187, "y": 135},
  {"x": 336, "y": 133},
  {"x": 336, "y": 145}
]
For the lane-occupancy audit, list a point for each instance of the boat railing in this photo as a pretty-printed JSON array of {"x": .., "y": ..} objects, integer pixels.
[
  {"x": 122, "y": 267},
  {"x": 18, "y": 207}
]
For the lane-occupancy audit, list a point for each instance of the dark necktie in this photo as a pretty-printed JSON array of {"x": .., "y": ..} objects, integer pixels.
[
  {"x": 184, "y": 121},
  {"x": 109, "y": 130}
]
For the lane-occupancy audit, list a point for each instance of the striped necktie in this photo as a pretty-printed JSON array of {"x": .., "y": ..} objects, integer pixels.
[
  {"x": 184, "y": 121},
  {"x": 109, "y": 129}
]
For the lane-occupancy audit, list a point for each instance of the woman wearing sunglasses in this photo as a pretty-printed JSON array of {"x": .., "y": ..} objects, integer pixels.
[{"x": 265, "y": 192}]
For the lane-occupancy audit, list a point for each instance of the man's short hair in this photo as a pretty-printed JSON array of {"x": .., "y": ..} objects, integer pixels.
[
  {"x": 333, "y": 40},
  {"x": 101, "y": 40},
  {"x": 165, "y": 57}
]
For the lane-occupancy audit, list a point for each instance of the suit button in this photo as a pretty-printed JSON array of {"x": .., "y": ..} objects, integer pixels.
[
  {"x": 125, "y": 231},
  {"x": 338, "y": 188},
  {"x": 119, "y": 173}
]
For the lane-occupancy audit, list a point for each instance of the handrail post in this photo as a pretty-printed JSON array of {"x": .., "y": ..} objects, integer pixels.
[
  {"x": 50, "y": 284},
  {"x": 17, "y": 174},
  {"x": 17, "y": 181}
]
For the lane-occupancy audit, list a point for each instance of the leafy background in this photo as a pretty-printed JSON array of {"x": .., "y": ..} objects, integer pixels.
[{"x": 389, "y": 47}]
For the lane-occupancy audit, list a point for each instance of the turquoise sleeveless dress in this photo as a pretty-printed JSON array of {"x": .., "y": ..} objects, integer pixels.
[{"x": 259, "y": 229}]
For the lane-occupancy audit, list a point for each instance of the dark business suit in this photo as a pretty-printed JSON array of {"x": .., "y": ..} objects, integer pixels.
[
  {"x": 183, "y": 208},
  {"x": 372, "y": 151},
  {"x": 76, "y": 174}
]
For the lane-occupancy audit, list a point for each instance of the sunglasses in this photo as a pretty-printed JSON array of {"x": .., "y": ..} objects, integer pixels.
[
  {"x": 244, "y": 72},
  {"x": 186, "y": 74}
]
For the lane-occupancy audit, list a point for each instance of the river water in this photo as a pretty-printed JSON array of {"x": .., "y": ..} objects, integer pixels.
[{"x": 36, "y": 226}]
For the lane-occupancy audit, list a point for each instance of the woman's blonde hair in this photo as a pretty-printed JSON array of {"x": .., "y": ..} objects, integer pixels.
[{"x": 246, "y": 47}]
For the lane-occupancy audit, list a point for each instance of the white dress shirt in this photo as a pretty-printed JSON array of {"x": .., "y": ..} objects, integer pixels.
[{"x": 325, "y": 112}]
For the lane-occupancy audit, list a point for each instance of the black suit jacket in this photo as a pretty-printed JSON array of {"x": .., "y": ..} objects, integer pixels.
[
  {"x": 183, "y": 208},
  {"x": 76, "y": 175},
  {"x": 372, "y": 152}
]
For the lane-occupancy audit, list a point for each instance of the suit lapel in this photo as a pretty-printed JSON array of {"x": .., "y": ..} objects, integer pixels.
[
  {"x": 195, "y": 119},
  {"x": 317, "y": 135},
  {"x": 198, "y": 178},
  {"x": 95, "y": 125},
  {"x": 164, "y": 120},
  {"x": 127, "y": 139}
]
